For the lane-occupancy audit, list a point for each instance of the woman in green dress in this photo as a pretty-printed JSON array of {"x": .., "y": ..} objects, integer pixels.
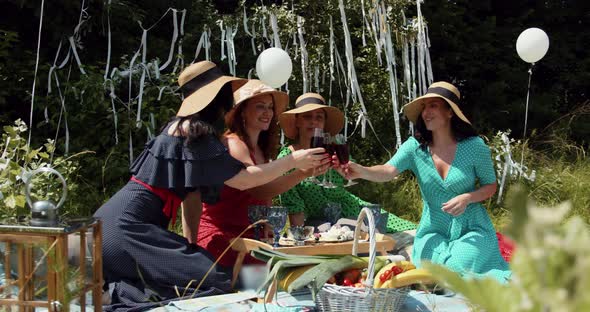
[
  {"x": 454, "y": 170},
  {"x": 307, "y": 199}
]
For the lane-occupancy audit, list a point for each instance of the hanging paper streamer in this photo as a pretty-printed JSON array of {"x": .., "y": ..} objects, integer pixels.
[
  {"x": 391, "y": 68},
  {"x": 106, "y": 69},
  {"x": 179, "y": 59},
  {"x": 247, "y": 31},
  {"x": 174, "y": 37},
  {"x": 202, "y": 43},
  {"x": 35, "y": 75},
  {"x": 275, "y": 31},
  {"x": 230, "y": 33},
  {"x": 354, "y": 85},
  {"x": 331, "y": 64},
  {"x": 303, "y": 54}
]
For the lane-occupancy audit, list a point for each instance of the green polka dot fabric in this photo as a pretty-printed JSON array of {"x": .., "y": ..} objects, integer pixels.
[
  {"x": 466, "y": 243},
  {"x": 312, "y": 198}
]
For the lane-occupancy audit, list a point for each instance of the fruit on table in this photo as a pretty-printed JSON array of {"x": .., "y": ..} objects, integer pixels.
[
  {"x": 409, "y": 277},
  {"x": 390, "y": 270}
]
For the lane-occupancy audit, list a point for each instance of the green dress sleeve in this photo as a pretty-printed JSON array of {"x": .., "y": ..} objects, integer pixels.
[
  {"x": 484, "y": 166},
  {"x": 404, "y": 157}
]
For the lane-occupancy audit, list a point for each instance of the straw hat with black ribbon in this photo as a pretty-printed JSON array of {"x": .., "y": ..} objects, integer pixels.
[
  {"x": 441, "y": 89},
  {"x": 252, "y": 89},
  {"x": 200, "y": 83},
  {"x": 309, "y": 102}
]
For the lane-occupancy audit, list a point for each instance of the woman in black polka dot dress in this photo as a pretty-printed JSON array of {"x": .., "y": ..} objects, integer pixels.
[{"x": 186, "y": 164}]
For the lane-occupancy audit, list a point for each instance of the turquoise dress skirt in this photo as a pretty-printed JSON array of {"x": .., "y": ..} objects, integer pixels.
[{"x": 467, "y": 243}]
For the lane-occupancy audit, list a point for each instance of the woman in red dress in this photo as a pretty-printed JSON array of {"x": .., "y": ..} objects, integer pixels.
[{"x": 252, "y": 138}]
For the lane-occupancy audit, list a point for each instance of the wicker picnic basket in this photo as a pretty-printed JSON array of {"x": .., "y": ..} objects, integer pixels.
[{"x": 333, "y": 297}]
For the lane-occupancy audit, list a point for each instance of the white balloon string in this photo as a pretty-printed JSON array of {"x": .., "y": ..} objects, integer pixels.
[{"x": 526, "y": 113}]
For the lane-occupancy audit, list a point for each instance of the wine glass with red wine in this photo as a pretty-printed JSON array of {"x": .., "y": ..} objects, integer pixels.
[
  {"x": 329, "y": 145},
  {"x": 343, "y": 153},
  {"x": 317, "y": 140}
]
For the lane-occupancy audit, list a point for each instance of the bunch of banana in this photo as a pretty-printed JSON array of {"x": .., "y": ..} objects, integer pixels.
[{"x": 399, "y": 274}]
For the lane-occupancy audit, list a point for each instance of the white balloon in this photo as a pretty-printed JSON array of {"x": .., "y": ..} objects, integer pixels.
[
  {"x": 274, "y": 67},
  {"x": 532, "y": 45}
]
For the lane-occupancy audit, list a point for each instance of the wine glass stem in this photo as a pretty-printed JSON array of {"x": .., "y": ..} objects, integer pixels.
[{"x": 277, "y": 233}]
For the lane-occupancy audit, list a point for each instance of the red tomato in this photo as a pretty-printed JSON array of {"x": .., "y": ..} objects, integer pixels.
[
  {"x": 396, "y": 270},
  {"x": 347, "y": 282}
]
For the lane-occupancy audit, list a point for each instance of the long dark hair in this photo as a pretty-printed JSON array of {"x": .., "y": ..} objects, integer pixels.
[
  {"x": 201, "y": 123},
  {"x": 267, "y": 140},
  {"x": 460, "y": 129}
]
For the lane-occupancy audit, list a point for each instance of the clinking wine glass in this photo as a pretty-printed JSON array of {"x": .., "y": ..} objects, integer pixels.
[
  {"x": 329, "y": 145},
  {"x": 277, "y": 217},
  {"x": 343, "y": 153},
  {"x": 317, "y": 140}
]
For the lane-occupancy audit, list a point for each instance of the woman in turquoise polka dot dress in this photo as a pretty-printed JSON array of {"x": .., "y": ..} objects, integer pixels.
[
  {"x": 307, "y": 200},
  {"x": 449, "y": 161}
]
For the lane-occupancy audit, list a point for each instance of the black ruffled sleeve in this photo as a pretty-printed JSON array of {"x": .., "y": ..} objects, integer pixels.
[{"x": 167, "y": 162}]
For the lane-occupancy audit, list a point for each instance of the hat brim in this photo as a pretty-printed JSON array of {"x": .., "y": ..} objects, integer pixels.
[
  {"x": 199, "y": 99},
  {"x": 280, "y": 101},
  {"x": 334, "y": 119},
  {"x": 413, "y": 109}
]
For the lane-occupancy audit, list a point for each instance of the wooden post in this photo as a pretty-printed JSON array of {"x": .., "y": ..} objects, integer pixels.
[
  {"x": 97, "y": 266},
  {"x": 51, "y": 274},
  {"x": 7, "y": 264},
  {"x": 83, "y": 270}
]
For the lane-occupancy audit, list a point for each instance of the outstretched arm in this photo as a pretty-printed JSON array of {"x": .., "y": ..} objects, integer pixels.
[
  {"x": 239, "y": 150},
  {"x": 378, "y": 173},
  {"x": 256, "y": 175}
]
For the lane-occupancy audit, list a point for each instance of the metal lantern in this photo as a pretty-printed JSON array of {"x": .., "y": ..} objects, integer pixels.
[{"x": 44, "y": 212}]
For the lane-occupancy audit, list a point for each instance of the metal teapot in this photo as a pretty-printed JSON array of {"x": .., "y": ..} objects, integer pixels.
[{"x": 44, "y": 212}]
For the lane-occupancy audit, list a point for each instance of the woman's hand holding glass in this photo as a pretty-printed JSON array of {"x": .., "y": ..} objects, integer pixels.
[
  {"x": 353, "y": 171},
  {"x": 310, "y": 158}
]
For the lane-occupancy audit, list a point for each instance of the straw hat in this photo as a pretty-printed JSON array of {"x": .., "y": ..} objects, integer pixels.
[
  {"x": 254, "y": 88},
  {"x": 441, "y": 89},
  {"x": 200, "y": 83},
  {"x": 308, "y": 102}
]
